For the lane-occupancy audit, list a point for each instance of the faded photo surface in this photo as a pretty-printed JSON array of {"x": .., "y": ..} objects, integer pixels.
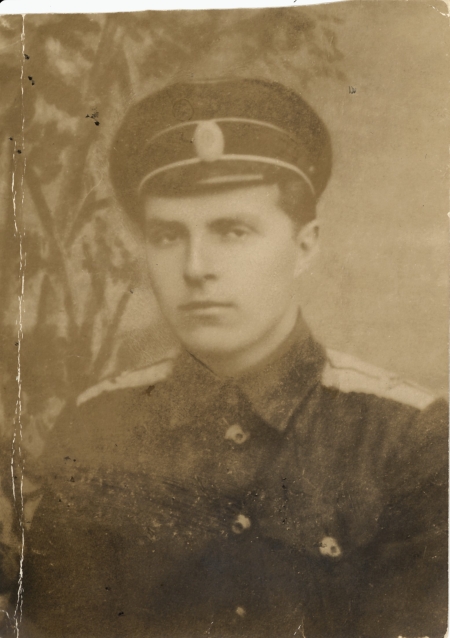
[{"x": 224, "y": 323}]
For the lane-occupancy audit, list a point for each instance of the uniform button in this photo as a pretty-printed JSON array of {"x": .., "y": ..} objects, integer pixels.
[
  {"x": 241, "y": 612},
  {"x": 236, "y": 433},
  {"x": 240, "y": 524},
  {"x": 330, "y": 547}
]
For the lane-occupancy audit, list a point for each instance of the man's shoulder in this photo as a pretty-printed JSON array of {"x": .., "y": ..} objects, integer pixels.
[
  {"x": 348, "y": 374},
  {"x": 134, "y": 380},
  {"x": 109, "y": 413},
  {"x": 394, "y": 417}
]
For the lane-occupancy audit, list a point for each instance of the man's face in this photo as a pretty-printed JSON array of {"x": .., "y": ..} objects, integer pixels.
[{"x": 223, "y": 266}]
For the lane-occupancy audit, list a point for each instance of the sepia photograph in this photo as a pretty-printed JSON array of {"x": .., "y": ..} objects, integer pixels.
[{"x": 224, "y": 322}]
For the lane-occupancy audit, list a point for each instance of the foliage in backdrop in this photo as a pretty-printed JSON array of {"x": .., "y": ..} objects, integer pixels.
[{"x": 67, "y": 81}]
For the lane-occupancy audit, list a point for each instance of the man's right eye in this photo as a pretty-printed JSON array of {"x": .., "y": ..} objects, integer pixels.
[{"x": 163, "y": 237}]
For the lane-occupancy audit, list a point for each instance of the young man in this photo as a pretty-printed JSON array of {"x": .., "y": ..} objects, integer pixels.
[{"x": 256, "y": 485}]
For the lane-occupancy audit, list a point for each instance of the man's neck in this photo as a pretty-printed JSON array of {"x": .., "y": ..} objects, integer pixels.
[{"x": 272, "y": 345}]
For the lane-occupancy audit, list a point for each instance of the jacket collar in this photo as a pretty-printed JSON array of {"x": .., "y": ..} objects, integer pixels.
[{"x": 274, "y": 389}]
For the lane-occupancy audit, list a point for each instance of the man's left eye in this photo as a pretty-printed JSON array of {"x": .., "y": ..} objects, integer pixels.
[{"x": 235, "y": 233}]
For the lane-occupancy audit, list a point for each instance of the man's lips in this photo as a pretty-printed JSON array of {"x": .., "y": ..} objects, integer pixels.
[{"x": 204, "y": 305}]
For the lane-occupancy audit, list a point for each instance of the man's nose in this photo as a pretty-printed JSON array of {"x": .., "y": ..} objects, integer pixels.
[{"x": 199, "y": 261}]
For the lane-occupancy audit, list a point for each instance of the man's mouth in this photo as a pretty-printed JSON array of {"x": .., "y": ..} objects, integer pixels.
[{"x": 204, "y": 305}]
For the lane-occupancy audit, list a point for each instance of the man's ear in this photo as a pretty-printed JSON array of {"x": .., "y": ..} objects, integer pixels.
[{"x": 307, "y": 239}]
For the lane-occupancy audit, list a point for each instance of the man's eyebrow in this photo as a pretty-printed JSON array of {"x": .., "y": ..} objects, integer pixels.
[
  {"x": 232, "y": 220},
  {"x": 154, "y": 223}
]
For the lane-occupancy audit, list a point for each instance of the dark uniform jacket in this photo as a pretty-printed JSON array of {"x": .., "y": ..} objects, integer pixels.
[{"x": 305, "y": 499}]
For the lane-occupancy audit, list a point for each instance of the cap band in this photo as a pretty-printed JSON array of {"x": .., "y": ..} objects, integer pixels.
[
  {"x": 208, "y": 140},
  {"x": 243, "y": 120},
  {"x": 232, "y": 157}
]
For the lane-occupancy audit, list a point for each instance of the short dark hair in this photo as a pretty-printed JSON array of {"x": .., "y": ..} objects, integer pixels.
[{"x": 297, "y": 201}]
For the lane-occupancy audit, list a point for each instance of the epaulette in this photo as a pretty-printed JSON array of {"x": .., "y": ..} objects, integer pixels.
[
  {"x": 150, "y": 375},
  {"x": 349, "y": 374}
]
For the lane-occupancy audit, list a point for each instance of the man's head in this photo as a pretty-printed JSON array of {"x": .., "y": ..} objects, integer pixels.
[
  {"x": 224, "y": 265},
  {"x": 223, "y": 179}
]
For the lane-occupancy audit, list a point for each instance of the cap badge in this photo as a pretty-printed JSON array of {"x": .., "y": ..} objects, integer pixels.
[
  {"x": 330, "y": 547},
  {"x": 209, "y": 142}
]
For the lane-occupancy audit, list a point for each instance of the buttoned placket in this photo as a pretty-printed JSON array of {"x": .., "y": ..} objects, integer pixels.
[{"x": 235, "y": 411}]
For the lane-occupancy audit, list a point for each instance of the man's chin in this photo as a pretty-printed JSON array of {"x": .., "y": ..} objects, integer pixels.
[{"x": 210, "y": 341}]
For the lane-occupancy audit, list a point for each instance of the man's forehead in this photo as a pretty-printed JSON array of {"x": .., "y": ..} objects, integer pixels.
[{"x": 232, "y": 203}]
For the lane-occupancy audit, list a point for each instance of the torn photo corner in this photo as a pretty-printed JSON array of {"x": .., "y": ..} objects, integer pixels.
[{"x": 224, "y": 280}]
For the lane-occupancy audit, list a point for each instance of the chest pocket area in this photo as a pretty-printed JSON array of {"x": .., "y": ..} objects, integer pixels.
[{"x": 315, "y": 511}]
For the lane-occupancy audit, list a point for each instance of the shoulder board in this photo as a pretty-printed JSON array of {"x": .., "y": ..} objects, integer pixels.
[
  {"x": 151, "y": 375},
  {"x": 349, "y": 374}
]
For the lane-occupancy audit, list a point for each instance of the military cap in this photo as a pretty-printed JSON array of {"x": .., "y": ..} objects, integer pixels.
[{"x": 207, "y": 134}]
